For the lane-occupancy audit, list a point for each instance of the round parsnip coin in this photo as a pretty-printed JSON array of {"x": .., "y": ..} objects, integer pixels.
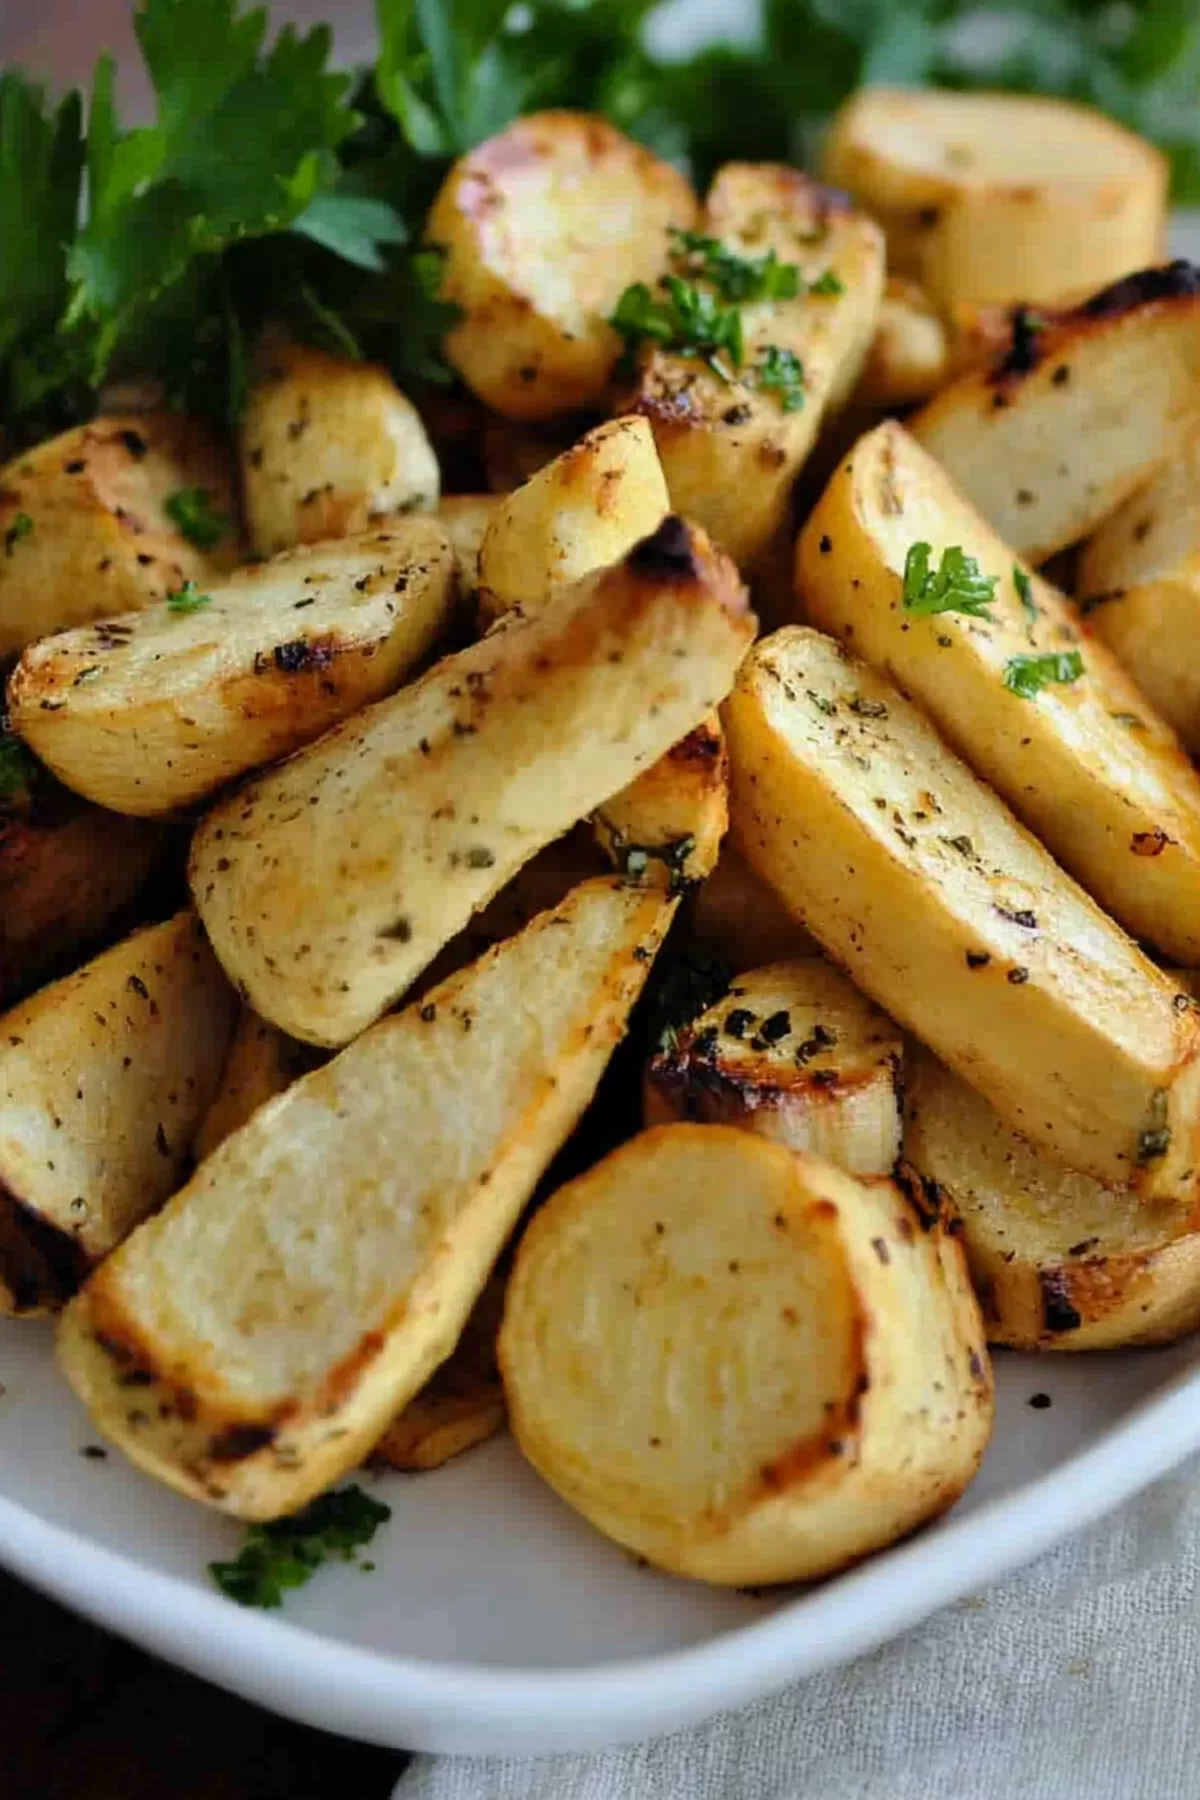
[
  {"x": 1000, "y": 197},
  {"x": 739, "y": 1362},
  {"x": 543, "y": 227}
]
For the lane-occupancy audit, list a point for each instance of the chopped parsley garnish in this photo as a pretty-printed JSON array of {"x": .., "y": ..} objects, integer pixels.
[
  {"x": 1028, "y": 675},
  {"x": 737, "y": 278},
  {"x": 1024, "y": 589},
  {"x": 687, "y": 319},
  {"x": 192, "y": 511},
  {"x": 286, "y": 1553},
  {"x": 956, "y": 585},
  {"x": 828, "y": 283},
  {"x": 187, "y": 599},
  {"x": 20, "y": 528},
  {"x": 17, "y": 768},
  {"x": 781, "y": 372}
]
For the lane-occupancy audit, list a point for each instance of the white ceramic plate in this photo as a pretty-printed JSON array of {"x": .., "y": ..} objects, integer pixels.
[{"x": 495, "y": 1620}]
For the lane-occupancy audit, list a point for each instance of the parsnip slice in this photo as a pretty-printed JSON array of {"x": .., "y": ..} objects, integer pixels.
[
  {"x": 580, "y": 512},
  {"x": 544, "y": 226},
  {"x": 329, "y": 446},
  {"x": 998, "y": 197},
  {"x": 402, "y": 822},
  {"x": 1059, "y": 1262},
  {"x": 462, "y": 1403},
  {"x": 323, "y": 1261},
  {"x": 104, "y": 1077},
  {"x": 1084, "y": 762},
  {"x": 261, "y": 1063},
  {"x": 741, "y": 1363},
  {"x": 152, "y": 713},
  {"x": 85, "y": 526},
  {"x": 955, "y": 920},
  {"x": 1053, "y": 435},
  {"x": 729, "y": 450},
  {"x": 1138, "y": 582},
  {"x": 795, "y": 1053}
]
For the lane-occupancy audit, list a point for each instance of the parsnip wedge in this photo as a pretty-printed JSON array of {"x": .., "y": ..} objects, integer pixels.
[
  {"x": 151, "y": 713},
  {"x": 261, "y": 1063},
  {"x": 104, "y": 1077},
  {"x": 330, "y": 446},
  {"x": 999, "y": 197},
  {"x": 956, "y": 921},
  {"x": 1138, "y": 582},
  {"x": 89, "y": 522},
  {"x": 543, "y": 227},
  {"x": 462, "y": 1403},
  {"x": 741, "y": 1363},
  {"x": 910, "y": 353},
  {"x": 465, "y": 518},
  {"x": 795, "y": 1053},
  {"x": 1048, "y": 439},
  {"x": 580, "y": 512},
  {"x": 1082, "y": 761},
  {"x": 323, "y": 1261},
  {"x": 400, "y": 824},
  {"x": 729, "y": 449},
  {"x": 668, "y": 825},
  {"x": 1059, "y": 1262}
]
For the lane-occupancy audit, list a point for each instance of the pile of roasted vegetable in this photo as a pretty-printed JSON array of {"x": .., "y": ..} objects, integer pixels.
[{"x": 718, "y": 666}]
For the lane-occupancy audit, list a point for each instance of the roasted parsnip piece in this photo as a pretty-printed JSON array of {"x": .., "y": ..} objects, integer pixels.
[
  {"x": 543, "y": 227},
  {"x": 742, "y": 920},
  {"x": 917, "y": 880},
  {"x": 465, "y": 518},
  {"x": 998, "y": 197},
  {"x": 909, "y": 358},
  {"x": 329, "y": 446},
  {"x": 404, "y": 821},
  {"x": 731, "y": 445},
  {"x": 1079, "y": 757},
  {"x": 322, "y": 1263},
  {"x": 261, "y": 1063},
  {"x": 1138, "y": 582},
  {"x": 104, "y": 1077},
  {"x": 580, "y": 512},
  {"x": 462, "y": 1403},
  {"x": 668, "y": 825},
  {"x": 90, "y": 522},
  {"x": 69, "y": 875},
  {"x": 741, "y": 1363},
  {"x": 795, "y": 1053},
  {"x": 153, "y": 712},
  {"x": 1059, "y": 1262},
  {"x": 1078, "y": 412}
]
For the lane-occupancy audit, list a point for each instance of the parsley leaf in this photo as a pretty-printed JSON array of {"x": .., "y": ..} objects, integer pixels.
[
  {"x": 1028, "y": 675},
  {"x": 1024, "y": 589},
  {"x": 735, "y": 277},
  {"x": 20, "y": 528},
  {"x": 689, "y": 320},
  {"x": 957, "y": 585},
  {"x": 781, "y": 372},
  {"x": 187, "y": 599},
  {"x": 830, "y": 282},
  {"x": 41, "y": 164},
  {"x": 191, "y": 510},
  {"x": 286, "y": 1553}
]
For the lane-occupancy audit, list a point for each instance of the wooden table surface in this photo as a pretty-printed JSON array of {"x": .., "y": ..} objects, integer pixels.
[{"x": 82, "y": 1715}]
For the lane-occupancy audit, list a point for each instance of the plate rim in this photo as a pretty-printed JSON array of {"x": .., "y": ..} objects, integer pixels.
[{"x": 472, "y": 1708}]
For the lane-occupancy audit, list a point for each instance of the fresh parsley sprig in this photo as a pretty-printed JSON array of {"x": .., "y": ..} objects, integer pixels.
[
  {"x": 1028, "y": 675},
  {"x": 188, "y": 599},
  {"x": 736, "y": 278},
  {"x": 781, "y": 372},
  {"x": 685, "y": 318},
  {"x": 286, "y": 1553},
  {"x": 192, "y": 510},
  {"x": 958, "y": 584}
]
